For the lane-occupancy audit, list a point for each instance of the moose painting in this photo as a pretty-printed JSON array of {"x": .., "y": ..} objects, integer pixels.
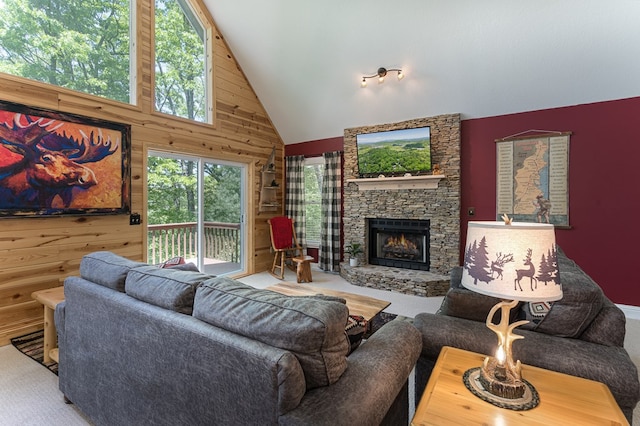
[{"x": 54, "y": 164}]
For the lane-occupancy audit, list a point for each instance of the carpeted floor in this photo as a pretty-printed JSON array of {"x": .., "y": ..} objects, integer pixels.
[{"x": 32, "y": 346}]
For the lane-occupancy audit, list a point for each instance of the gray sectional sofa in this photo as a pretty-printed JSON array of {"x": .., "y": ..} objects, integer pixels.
[
  {"x": 144, "y": 345},
  {"x": 582, "y": 334}
]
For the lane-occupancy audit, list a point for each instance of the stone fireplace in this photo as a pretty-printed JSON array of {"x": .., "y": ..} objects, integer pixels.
[{"x": 425, "y": 200}]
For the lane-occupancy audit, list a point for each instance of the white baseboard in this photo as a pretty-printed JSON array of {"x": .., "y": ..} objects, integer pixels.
[{"x": 631, "y": 312}]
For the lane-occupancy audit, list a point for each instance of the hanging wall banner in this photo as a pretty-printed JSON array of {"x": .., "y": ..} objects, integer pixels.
[{"x": 533, "y": 179}]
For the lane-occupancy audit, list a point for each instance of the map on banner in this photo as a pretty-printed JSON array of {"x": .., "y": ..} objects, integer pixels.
[{"x": 532, "y": 179}]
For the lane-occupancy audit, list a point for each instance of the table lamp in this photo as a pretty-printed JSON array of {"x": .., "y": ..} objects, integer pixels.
[{"x": 513, "y": 262}]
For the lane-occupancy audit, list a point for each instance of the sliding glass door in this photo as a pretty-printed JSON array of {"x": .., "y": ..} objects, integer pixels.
[{"x": 196, "y": 210}]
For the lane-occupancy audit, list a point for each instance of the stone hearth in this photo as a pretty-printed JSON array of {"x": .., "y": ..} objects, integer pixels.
[
  {"x": 440, "y": 205},
  {"x": 407, "y": 281}
]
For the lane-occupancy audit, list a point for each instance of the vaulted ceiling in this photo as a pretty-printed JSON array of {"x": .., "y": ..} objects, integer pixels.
[{"x": 305, "y": 59}]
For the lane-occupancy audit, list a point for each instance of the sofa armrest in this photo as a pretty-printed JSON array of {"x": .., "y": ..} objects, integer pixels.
[
  {"x": 376, "y": 373},
  {"x": 59, "y": 319}
]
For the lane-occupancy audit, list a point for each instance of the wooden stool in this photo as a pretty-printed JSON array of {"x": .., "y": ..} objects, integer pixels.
[{"x": 303, "y": 268}]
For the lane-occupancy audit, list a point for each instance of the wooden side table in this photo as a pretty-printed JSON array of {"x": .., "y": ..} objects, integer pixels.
[
  {"x": 49, "y": 299},
  {"x": 303, "y": 268},
  {"x": 564, "y": 399}
]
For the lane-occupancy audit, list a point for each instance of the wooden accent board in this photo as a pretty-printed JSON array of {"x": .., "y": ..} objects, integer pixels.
[
  {"x": 36, "y": 254},
  {"x": 358, "y": 304},
  {"x": 564, "y": 399}
]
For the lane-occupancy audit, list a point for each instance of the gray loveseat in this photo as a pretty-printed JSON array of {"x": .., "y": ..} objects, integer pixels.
[
  {"x": 144, "y": 345},
  {"x": 581, "y": 335}
]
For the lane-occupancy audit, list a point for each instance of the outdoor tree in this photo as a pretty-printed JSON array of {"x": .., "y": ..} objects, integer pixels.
[
  {"x": 81, "y": 44},
  {"x": 179, "y": 62}
]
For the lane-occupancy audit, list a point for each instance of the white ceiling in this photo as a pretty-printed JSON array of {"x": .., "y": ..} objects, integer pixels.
[{"x": 305, "y": 59}]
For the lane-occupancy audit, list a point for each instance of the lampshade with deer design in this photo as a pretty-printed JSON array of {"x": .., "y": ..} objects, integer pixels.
[{"x": 513, "y": 262}]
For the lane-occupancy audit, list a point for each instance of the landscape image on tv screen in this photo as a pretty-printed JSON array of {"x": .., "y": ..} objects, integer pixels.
[{"x": 394, "y": 153}]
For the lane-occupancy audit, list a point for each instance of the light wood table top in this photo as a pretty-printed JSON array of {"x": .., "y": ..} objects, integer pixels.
[
  {"x": 564, "y": 399},
  {"x": 366, "y": 306},
  {"x": 49, "y": 297}
]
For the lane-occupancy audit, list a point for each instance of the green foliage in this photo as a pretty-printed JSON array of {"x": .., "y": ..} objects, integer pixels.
[
  {"x": 84, "y": 45},
  {"x": 397, "y": 157},
  {"x": 313, "y": 195},
  {"x": 78, "y": 44},
  {"x": 172, "y": 186},
  {"x": 172, "y": 192},
  {"x": 353, "y": 249},
  {"x": 179, "y": 63}
]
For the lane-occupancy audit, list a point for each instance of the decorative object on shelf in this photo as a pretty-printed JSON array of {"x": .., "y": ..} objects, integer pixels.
[
  {"x": 54, "y": 163},
  {"x": 436, "y": 170},
  {"x": 353, "y": 249},
  {"x": 268, "y": 186},
  {"x": 381, "y": 74},
  {"x": 544, "y": 166},
  {"x": 525, "y": 269}
]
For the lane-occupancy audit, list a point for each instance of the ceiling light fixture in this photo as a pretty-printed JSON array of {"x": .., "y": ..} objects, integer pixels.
[{"x": 381, "y": 74}]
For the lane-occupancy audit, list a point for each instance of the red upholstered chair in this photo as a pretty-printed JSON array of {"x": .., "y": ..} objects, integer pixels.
[{"x": 284, "y": 244}]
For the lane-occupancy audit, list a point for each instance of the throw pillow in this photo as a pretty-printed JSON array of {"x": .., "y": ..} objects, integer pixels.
[
  {"x": 582, "y": 300},
  {"x": 355, "y": 329}
]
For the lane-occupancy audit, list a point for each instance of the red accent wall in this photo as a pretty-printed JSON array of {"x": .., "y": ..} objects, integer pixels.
[
  {"x": 315, "y": 148},
  {"x": 604, "y": 183},
  {"x": 604, "y": 187}
]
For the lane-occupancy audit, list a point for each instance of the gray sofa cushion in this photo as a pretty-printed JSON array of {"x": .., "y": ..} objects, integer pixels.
[
  {"x": 311, "y": 328},
  {"x": 168, "y": 288},
  {"x": 461, "y": 302},
  {"x": 582, "y": 300},
  {"x": 107, "y": 269}
]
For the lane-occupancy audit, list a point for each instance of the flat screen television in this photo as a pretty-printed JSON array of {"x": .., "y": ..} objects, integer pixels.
[{"x": 394, "y": 152}]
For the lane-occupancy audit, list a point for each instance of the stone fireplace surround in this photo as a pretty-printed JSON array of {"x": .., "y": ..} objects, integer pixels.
[{"x": 439, "y": 205}]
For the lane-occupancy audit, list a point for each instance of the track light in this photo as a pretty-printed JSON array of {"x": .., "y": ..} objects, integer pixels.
[{"x": 381, "y": 74}]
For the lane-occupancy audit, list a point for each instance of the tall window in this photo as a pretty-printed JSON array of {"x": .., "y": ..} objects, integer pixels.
[
  {"x": 181, "y": 77},
  {"x": 79, "y": 45},
  {"x": 313, "y": 171}
]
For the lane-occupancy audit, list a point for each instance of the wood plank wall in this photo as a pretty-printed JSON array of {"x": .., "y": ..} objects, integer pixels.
[{"x": 39, "y": 253}]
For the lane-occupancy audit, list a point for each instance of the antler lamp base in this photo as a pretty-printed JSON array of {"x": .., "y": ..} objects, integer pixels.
[{"x": 499, "y": 381}]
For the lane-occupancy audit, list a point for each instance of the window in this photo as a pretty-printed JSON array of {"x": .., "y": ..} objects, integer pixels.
[
  {"x": 80, "y": 45},
  {"x": 181, "y": 78},
  {"x": 313, "y": 171}
]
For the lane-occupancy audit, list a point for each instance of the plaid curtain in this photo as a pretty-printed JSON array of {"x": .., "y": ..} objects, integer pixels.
[
  {"x": 331, "y": 212},
  {"x": 294, "y": 197}
]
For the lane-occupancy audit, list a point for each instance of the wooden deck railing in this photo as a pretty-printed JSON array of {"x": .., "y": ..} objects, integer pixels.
[{"x": 221, "y": 241}]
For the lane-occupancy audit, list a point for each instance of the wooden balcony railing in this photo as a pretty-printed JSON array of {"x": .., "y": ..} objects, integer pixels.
[{"x": 221, "y": 241}]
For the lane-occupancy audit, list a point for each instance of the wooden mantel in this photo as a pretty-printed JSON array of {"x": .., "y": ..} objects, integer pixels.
[{"x": 398, "y": 182}]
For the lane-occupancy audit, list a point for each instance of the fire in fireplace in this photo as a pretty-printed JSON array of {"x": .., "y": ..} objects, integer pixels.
[{"x": 399, "y": 243}]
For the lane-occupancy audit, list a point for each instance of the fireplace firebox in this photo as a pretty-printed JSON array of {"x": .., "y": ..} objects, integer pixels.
[{"x": 399, "y": 243}]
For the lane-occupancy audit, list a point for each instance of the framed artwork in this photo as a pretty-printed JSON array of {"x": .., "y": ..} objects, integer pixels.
[
  {"x": 532, "y": 178},
  {"x": 53, "y": 164}
]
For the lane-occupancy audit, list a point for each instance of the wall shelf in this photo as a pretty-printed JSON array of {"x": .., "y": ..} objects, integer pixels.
[{"x": 398, "y": 182}]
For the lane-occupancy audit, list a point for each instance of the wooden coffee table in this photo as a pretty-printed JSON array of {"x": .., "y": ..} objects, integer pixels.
[
  {"x": 368, "y": 307},
  {"x": 564, "y": 399}
]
